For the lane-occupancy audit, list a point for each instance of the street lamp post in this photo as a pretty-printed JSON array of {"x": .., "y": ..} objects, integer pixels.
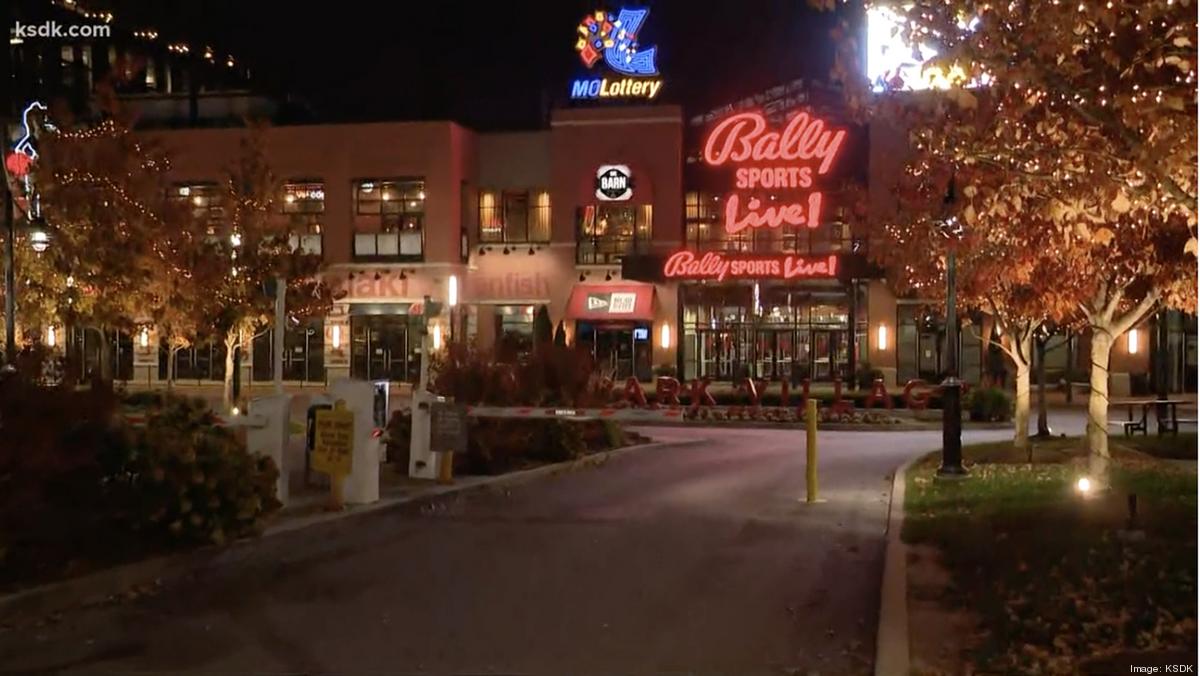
[
  {"x": 951, "y": 386},
  {"x": 10, "y": 281}
]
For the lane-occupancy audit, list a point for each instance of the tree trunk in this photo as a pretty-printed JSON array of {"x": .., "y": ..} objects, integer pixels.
[
  {"x": 171, "y": 352},
  {"x": 1097, "y": 424},
  {"x": 1043, "y": 424},
  {"x": 1018, "y": 344},
  {"x": 231, "y": 342},
  {"x": 106, "y": 371}
]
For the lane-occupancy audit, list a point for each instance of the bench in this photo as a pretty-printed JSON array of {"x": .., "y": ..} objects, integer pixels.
[{"x": 1128, "y": 427}]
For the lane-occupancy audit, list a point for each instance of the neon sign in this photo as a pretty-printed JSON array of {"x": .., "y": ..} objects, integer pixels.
[
  {"x": 614, "y": 38},
  {"x": 718, "y": 267},
  {"x": 788, "y": 159}
]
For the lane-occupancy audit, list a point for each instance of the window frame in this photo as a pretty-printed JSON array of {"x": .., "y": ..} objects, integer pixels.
[
  {"x": 499, "y": 210},
  {"x": 393, "y": 223}
]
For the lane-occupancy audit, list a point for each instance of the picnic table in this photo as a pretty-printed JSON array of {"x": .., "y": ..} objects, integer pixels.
[{"x": 1169, "y": 422}]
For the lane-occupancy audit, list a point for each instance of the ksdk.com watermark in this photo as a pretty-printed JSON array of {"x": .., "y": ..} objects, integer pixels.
[{"x": 54, "y": 29}]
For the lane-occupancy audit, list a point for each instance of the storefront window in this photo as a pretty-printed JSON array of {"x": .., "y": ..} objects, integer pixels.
[
  {"x": 514, "y": 216},
  {"x": 303, "y": 352},
  {"x": 608, "y": 232},
  {"x": 796, "y": 333},
  {"x": 514, "y": 327},
  {"x": 921, "y": 347},
  {"x": 397, "y": 210}
]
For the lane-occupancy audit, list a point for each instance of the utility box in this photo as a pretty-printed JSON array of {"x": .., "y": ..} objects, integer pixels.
[
  {"x": 271, "y": 437},
  {"x": 362, "y": 484}
]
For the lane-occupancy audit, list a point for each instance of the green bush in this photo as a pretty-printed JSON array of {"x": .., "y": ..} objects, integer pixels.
[{"x": 989, "y": 404}]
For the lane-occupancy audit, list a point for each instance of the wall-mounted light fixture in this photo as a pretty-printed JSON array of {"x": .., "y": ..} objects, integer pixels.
[
  {"x": 337, "y": 337},
  {"x": 452, "y": 291},
  {"x": 1133, "y": 341},
  {"x": 664, "y": 336},
  {"x": 437, "y": 336},
  {"x": 50, "y": 337},
  {"x": 144, "y": 337},
  {"x": 881, "y": 337}
]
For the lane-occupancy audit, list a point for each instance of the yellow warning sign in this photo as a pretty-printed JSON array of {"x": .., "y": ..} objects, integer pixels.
[{"x": 333, "y": 442}]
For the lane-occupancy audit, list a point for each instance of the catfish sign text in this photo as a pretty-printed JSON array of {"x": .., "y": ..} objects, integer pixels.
[
  {"x": 719, "y": 267},
  {"x": 787, "y": 160}
]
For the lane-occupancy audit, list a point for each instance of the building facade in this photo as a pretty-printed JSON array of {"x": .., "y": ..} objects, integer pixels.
[{"x": 619, "y": 221}]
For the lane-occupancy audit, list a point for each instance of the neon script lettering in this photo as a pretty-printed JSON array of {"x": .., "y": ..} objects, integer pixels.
[
  {"x": 719, "y": 267},
  {"x": 743, "y": 137},
  {"x": 795, "y": 214}
]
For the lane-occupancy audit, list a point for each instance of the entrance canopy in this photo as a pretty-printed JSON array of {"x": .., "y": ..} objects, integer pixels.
[{"x": 611, "y": 302}]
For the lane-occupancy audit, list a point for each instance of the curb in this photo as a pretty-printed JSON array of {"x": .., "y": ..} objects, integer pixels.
[
  {"x": 919, "y": 426},
  {"x": 102, "y": 585},
  {"x": 891, "y": 645}
]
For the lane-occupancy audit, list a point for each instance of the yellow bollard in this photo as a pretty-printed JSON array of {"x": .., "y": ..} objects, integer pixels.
[
  {"x": 810, "y": 467},
  {"x": 446, "y": 468}
]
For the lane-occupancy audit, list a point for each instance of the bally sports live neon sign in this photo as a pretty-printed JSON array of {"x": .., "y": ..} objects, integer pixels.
[
  {"x": 785, "y": 162},
  {"x": 613, "y": 39}
]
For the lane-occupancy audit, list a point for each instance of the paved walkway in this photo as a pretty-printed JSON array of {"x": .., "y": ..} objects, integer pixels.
[{"x": 687, "y": 559}]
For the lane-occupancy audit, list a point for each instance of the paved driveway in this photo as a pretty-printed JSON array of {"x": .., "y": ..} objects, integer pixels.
[{"x": 698, "y": 558}]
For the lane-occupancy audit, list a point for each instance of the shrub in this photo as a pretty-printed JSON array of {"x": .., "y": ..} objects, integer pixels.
[
  {"x": 989, "y": 404},
  {"x": 192, "y": 482}
]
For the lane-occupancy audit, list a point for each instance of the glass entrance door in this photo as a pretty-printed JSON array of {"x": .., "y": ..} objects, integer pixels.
[{"x": 379, "y": 348}]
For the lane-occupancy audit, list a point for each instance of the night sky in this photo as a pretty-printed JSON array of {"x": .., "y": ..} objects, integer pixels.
[{"x": 488, "y": 65}]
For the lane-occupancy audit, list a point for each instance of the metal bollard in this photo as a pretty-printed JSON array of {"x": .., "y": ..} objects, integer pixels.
[{"x": 810, "y": 467}]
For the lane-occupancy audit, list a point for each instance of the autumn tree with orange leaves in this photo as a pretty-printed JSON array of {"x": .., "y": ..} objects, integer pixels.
[{"x": 1071, "y": 128}]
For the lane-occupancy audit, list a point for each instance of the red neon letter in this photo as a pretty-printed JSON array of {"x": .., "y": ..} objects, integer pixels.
[
  {"x": 634, "y": 392},
  {"x": 666, "y": 391},
  {"x": 916, "y": 401},
  {"x": 878, "y": 392}
]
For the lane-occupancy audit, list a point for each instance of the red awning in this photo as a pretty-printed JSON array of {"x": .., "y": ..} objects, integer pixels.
[{"x": 612, "y": 302}]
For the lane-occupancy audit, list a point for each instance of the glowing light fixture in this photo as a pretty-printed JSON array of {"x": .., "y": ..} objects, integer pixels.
[
  {"x": 881, "y": 337},
  {"x": 437, "y": 336},
  {"x": 452, "y": 291},
  {"x": 1083, "y": 485},
  {"x": 144, "y": 337},
  {"x": 50, "y": 337},
  {"x": 664, "y": 336},
  {"x": 1133, "y": 341},
  {"x": 337, "y": 337},
  {"x": 39, "y": 240}
]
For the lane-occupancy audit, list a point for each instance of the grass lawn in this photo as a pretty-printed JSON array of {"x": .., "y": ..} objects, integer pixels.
[
  {"x": 1053, "y": 579},
  {"x": 1180, "y": 446}
]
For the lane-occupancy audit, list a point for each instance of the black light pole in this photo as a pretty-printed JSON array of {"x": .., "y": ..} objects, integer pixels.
[
  {"x": 10, "y": 281},
  {"x": 951, "y": 386}
]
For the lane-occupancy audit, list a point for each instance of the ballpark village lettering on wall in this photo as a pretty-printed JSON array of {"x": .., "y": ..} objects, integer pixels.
[
  {"x": 779, "y": 161},
  {"x": 719, "y": 266},
  {"x": 613, "y": 38}
]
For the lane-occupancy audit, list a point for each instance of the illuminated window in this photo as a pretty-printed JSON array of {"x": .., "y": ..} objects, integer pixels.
[
  {"x": 606, "y": 232},
  {"x": 206, "y": 202},
  {"x": 399, "y": 205},
  {"x": 704, "y": 232},
  {"x": 514, "y": 216}
]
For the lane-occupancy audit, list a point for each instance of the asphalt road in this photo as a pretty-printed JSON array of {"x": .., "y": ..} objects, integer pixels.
[{"x": 691, "y": 559}]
